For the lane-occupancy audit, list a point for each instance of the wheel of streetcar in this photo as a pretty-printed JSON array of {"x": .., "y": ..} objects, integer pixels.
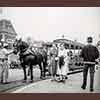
[{"x": 12, "y": 66}]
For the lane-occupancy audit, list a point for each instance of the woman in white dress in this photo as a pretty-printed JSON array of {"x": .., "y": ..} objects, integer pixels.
[{"x": 62, "y": 63}]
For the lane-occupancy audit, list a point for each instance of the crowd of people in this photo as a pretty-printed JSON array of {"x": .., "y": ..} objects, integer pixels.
[{"x": 58, "y": 60}]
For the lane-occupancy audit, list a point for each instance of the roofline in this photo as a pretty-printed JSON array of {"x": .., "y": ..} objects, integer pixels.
[
  {"x": 9, "y": 33},
  {"x": 69, "y": 41}
]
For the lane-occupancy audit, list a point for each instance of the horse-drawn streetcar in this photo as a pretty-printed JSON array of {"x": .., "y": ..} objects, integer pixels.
[{"x": 73, "y": 48}]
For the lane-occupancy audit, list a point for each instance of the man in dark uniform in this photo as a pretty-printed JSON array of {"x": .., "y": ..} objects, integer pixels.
[
  {"x": 53, "y": 62},
  {"x": 89, "y": 54}
]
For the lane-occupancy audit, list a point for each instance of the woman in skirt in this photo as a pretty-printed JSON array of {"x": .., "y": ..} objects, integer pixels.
[{"x": 62, "y": 63}]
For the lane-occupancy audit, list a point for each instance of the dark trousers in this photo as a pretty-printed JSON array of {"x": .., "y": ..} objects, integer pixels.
[
  {"x": 91, "y": 69},
  {"x": 53, "y": 66},
  {"x": 55, "y": 69}
]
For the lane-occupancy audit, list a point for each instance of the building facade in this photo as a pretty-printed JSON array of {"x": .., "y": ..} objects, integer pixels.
[{"x": 7, "y": 32}]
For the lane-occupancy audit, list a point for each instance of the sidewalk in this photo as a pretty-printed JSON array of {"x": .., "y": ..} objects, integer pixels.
[{"x": 72, "y": 85}]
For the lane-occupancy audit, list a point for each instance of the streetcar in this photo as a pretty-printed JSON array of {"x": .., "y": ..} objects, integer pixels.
[
  {"x": 74, "y": 49},
  {"x": 75, "y": 62}
]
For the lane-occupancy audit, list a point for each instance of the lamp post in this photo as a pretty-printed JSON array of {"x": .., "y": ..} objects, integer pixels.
[{"x": 75, "y": 41}]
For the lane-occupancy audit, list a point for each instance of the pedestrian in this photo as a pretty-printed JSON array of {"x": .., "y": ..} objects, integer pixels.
[
  {"x": 89, "y": 54},
  {"x": 29, "y": 50},
  {"x": 62, "y": 63},
  {"x": 49, "y": 61},
  {"x": 53, "y": 63},
  {"x": 4, "y": 63}
]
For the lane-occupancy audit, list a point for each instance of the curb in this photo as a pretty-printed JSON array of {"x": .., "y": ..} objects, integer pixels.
[{"x": 28, "y": 86}]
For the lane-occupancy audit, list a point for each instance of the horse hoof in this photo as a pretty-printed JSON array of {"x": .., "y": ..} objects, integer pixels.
[
  {"x": 43, "y": 78},
  {"x": 31, "y": 81},
  {"x": 24, "y": 81},
  {"x": 5, "y": 83},
  {"x": 63, "y": 81}
]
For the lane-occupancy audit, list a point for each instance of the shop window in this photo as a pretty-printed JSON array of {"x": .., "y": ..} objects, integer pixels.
[
  {"x": 77, "y": 47},
  {"x": 66, "y": 46},
  {"x": 72, "y": 47}
]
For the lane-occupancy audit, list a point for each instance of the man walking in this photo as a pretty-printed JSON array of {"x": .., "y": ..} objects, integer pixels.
[{"x": 89, "y": 54}]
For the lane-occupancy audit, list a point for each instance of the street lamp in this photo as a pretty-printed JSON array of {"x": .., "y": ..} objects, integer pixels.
[{"x": 75, "y": 43}]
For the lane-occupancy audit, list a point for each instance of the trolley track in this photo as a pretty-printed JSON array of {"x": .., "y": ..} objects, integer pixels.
[{"x": 13, "y": 86}]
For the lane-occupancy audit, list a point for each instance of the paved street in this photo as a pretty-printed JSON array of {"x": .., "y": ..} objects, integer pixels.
[
  {"x": 72, "y": 85},
  {"x": 16, "y": 80}
]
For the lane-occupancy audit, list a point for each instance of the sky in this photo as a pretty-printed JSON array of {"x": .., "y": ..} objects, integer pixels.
[{"x": 50, "y": 23}]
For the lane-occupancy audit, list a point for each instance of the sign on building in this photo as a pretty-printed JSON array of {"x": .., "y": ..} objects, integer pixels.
[{"x": 9, "y": 41}]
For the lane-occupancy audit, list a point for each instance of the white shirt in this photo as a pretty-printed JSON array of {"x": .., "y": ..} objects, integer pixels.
[
  {"x": 62, "y": 53},
  {"x": 3, "y": 53}
]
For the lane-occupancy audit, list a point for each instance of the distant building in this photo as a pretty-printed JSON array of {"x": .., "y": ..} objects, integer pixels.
[{"x": 7, "y": 32}]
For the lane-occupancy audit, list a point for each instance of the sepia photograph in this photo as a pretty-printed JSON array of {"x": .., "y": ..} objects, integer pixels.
[{"x": 49, "y": 49}]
